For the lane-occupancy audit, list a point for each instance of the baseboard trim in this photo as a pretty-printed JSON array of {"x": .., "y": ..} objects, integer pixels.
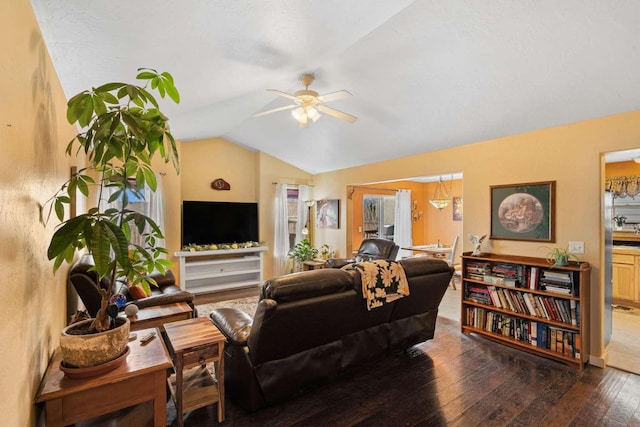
[{"x": 599, "y": 362}]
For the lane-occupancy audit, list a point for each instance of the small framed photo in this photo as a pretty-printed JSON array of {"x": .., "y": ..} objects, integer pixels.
[
  {"x": 457, "y": 208},
  {"x": 523, "y": 212},
  {"x": 328, "y": 213}
]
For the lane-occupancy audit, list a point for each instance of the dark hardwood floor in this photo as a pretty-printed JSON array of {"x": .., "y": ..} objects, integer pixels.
[{"x": 453, "y": 380}]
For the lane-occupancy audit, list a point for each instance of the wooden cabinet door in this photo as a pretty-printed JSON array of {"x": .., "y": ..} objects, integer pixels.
[{"x": 624, "y": 276}]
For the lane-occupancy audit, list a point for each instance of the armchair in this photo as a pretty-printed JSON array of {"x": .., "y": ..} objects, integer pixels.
[
  {"x": 370, "y": 249},
  {"x": 85, "y": 283}
]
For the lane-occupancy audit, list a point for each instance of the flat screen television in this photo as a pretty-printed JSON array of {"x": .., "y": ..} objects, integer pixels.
[{"x": 219, "y": 222}]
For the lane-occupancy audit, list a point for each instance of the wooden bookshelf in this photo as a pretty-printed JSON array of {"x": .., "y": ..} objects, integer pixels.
[{"x": 528, "y": 304}]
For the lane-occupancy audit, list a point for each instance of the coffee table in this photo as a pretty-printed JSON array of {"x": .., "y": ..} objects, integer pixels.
[
  {"x": 157, "y": 316},
  {"x": 141, "y": 378},
  {"x": 193, "y": 343}
]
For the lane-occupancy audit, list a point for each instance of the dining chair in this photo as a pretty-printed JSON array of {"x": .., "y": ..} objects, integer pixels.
[{"x": 457, "y": 274}]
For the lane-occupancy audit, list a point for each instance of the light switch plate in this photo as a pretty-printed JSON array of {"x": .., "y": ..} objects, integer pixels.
[{"x": 576, "y": 247}]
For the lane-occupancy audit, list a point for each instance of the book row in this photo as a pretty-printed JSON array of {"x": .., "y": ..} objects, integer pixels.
[
  {"x": 523, "y": 276},
  {"x": 536, "y": 334},
  {"x": 550, "y": 308}
]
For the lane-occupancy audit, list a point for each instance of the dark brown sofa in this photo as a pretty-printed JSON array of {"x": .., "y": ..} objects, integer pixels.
[
  {"x": 84, "y": 281},
  {"x": 311, "y": 326}
]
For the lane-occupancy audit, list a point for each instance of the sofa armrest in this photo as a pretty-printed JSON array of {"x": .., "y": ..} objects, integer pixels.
[
  {"x": 160, "y": 299},
  {"x": 234, "y": 324}
]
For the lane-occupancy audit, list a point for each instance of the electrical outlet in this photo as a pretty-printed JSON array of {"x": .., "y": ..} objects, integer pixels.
[{"x": 576, "y": 247}]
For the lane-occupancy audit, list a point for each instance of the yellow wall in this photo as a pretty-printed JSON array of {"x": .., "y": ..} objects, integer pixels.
[
  {"x": 208, "y": 159},
  {"x": 570, "y": 155},
  {"x": 33, "y": 135}
]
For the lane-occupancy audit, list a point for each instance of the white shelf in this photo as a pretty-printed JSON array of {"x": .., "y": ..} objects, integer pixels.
[
  {"x": 212, "y": 271},
  {"x": 222, "y": 287}
]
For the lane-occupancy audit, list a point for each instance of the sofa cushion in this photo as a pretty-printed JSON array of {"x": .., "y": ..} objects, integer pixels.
[{"x": 307, "y": 284}]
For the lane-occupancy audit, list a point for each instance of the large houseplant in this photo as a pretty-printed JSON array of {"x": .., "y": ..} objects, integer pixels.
[
  {"x": 122, "y": 129},
  {"x": 301, "y": 252}
]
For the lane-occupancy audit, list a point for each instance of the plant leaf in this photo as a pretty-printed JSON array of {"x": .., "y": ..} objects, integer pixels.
[
  {"x": 68, "y": 233},
  {"x": 87, "y": 113}
]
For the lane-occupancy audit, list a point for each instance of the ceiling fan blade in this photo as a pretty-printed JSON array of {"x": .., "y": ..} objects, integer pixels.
[
  {"x": 275, "y": 110},
  {"x": 337, "y": 114},
  {"x": 283, "y": 94},
  {"x": 333, "y": 96}
]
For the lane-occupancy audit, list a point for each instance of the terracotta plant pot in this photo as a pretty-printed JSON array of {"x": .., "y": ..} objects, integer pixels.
[{"x": 94, "y": 349}]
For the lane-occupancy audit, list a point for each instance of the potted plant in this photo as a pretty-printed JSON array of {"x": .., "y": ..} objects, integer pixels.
[
  {"x": 560, "y": 257},
  {"x": 620, "y": 221},
  {"x": 122, "y": 129},
  {"x": 325, "y": 251},
  {"x": 301, "y": 252}
]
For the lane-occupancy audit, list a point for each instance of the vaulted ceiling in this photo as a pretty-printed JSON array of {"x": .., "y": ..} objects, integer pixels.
[{"x": 424, "y": 74}]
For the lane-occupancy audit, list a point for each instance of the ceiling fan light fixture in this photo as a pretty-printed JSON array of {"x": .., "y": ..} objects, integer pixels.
[
  {"x": 312, "y": 113},
  {"x": 308, "y": 105},
  {"x": 299, "y": 114}
]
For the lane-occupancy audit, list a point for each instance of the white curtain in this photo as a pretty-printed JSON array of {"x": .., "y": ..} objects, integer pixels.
[
  {"x": 303, "y": 211},
  {"x": 281, "y": 237},
  {"x": 402, "y": 224},
  {"x": 151, "y": 206},
  {"x": 155, "y": 210}
]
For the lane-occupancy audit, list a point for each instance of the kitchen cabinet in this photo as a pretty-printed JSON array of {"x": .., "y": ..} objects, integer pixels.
[{"x": 626, "y": 274}]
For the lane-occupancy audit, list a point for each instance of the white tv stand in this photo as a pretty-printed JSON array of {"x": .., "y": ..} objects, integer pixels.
[{"x": 212, "y": 271}]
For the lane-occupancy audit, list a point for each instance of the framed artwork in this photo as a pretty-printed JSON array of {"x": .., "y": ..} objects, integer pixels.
[
  {"x": 457, "y": 208},
  {"x": 523, "y": 212},
  {"x": 328, "y": 213}
]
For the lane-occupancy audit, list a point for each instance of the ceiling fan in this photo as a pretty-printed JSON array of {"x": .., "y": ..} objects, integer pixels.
[{"x": 308, "y": 103}]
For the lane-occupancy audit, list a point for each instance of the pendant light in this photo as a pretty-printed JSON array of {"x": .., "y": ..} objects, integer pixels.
[{"x": 440, "y": 199}]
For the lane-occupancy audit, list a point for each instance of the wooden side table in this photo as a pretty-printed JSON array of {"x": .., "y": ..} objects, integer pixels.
[
  {"x": 157, "y": 316},
  {"x": 193, "y": 344},
  {"x": 140, "y": 379}
]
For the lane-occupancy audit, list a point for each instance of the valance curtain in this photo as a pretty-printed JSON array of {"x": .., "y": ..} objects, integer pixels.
[{"x": 623, "y": 186}]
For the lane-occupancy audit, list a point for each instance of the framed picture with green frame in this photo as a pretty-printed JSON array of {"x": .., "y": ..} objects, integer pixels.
[{"x": 523, "y": 211}]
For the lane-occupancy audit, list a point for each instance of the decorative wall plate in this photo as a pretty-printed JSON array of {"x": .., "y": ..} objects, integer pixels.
[{"x": 220, "y": 184}]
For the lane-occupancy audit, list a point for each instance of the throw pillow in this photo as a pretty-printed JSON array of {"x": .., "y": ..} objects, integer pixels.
[{"x": 137, "y": 292}]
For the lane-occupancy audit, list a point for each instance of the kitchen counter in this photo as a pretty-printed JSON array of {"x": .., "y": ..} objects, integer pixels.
[
  {"x": 626, "y": 236},
  {"x": 626, "y": 249}
]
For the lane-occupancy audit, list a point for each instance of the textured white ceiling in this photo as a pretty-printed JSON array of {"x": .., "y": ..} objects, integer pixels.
[{"x": 424, "y": 75}]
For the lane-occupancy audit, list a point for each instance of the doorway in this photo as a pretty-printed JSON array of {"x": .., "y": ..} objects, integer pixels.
[
  {"x": 429, "y": 224},
  {"x": 378, "y": 216},
  {"x": 622, "y": 260}
]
